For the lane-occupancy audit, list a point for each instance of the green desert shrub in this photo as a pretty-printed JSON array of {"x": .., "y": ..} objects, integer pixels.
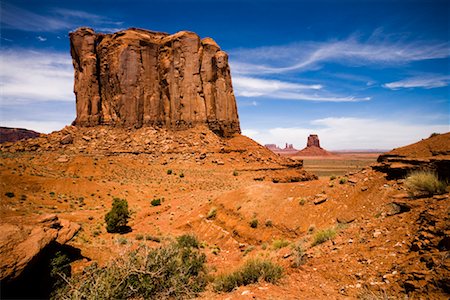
[
  {"x": 253, "y": 223},
  {"x": 299, "y": 255},
  {"x": 188, "y": 241},
  {"x": 252, "y": 271},
  {"x": 343, "y": 180},
  {"x": 169, "y": 272},
  {"x": 278, "y": 244},
  {"x": 424, "y": 183},
  {"x": 117, "y": 218},
  {"x": 323, "y": 236},
  {"x": 9, "y": 194},
  {"x": 156, "y": 202}
]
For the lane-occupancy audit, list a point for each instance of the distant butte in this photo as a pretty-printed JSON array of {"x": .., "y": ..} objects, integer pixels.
[
  {"x": 287, "y": 150},
  {"x": 313, "y": 148}
]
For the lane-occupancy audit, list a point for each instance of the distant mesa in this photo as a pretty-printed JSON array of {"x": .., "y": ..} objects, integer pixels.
[
  {"x": 313, "y": 148},
  {"x": 8, "y": 134},
  {"x": 287, "y": 150},
  {"x": 136, "y": 78}
]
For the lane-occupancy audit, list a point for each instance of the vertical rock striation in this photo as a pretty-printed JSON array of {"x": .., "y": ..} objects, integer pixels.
[{"x": 137, "y": 77}]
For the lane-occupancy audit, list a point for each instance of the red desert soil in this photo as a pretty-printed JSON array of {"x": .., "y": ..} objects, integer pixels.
[{"x": 380, "y": 248}]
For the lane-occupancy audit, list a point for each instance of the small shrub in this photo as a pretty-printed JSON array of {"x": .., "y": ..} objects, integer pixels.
[
  {"x": 248, "y": 250},
  {"x": 302, "y": 201},
  {"x": 342, "y": 180},
  {"x": 122, "y": 241},
  {"x": 153, "y": 238},
  {"x": 323, "y": 236},
  {"x": 252, "y": 271},
  {"x": 60, "y": 269},
  {"x": 188, "y": 241},
  {"x": 268, "y": 223},
  {"x": 139, "y": 237},
  {"x": 253, "y": 223},
  {"x": 182, "y": 175},
  {"x": 23, "y": 197},
  {"x": 235, "y": 173},
  {"x": 423, "y": 183},
  {"x": 52, "y": 194},
  {"x": 278, "y": 244},
  {"x": 299, "y": 255},
  {"x": 169, "y": 171},
  {"x": 117, "y": 218},
  {"x": 9, "y": 194},
  {"x": 156, "y": 202},
  {"x": 212, "y": 213},
  {"x": 311, "y": 228},
  {"x": 168, "y": 272},
  {"x": 434, "y": 134},
  {"x": 332, "y": 177}
]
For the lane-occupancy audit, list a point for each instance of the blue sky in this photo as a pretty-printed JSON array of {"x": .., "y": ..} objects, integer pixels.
[{"x": 361, "y": 74}]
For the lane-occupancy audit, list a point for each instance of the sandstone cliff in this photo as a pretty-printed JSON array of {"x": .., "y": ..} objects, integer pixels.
[{"x": 137, "y": 77}]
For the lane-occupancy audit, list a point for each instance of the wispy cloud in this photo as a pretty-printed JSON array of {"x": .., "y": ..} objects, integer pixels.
[
  {"x": 425, "y": 81},
  {"x": 349, "y": 133},
  {"x": 309, "y": 55},
  {"x": 13, "y": 17},
  {"x": 277, "y": 89},
  {"x": 30, "y": 76},
  {"x": 41, "y": 38}
]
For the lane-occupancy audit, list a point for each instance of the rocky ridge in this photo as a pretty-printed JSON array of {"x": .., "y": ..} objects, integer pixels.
[
  {"x": 137, "y": 77},
  {"x": 430, "y": 154}
]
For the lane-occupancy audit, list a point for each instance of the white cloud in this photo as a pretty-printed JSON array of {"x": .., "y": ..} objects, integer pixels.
[
  {"x": 31, "y": 76},
  {"x": 349, "y": 133},
  {"x": 57, "y": 19},
  {"x": 425, "y": 81},
  {"x": 39, "y": 126},
  {"x": 276, "y": 89},
  {"x": 310, "y": 55},
  {"x": 41, "y": 38}
]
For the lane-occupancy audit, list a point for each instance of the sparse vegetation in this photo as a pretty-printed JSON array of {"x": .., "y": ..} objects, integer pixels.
[
  {"x": 169, "y": 172},
  {"x": 235, "y": 173},
  {"x": 302, "y": 201},
  {"x": 174, "y": 271},
  {"x": 117, "y": 218},
  {"x": 424, "y": 183},
  {"x": 252, "y": 271},
  {"x": 188, "y": 241},
  {"x": 299, "y": 255},
  {"x": 332, "y": 177},
  {"x": 434, "y": 134},
  {"x": 253, "y": 223},
  {"x": 153, "y": 238},
  {"x": 139, "y": 237},
  {"x": 122, "y": 241},
  {"x": 156, "y": 202},
  {"x": 278, "y": 244},
  {"x": 268, "y": 223},
  {"x": 212, "y": 213},
  {"x": 181, "y": 175},
  {"x": 323, "y": 236},
  {"x": 9, "y": 194},
  {"x": 343, "y": 180}
]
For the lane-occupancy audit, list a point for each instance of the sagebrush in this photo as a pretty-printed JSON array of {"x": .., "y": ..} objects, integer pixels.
[
  {"x": 252, "y": 271},
  {"x": 424, "y": 183},
  {"x": 172, "y": 271}
]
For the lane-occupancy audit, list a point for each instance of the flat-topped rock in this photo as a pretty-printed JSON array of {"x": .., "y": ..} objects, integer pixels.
[{"x": 137, "y": 77}]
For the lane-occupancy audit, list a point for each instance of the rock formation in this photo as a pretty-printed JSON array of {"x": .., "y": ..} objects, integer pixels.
[
  {"x": 313, "y": 148},
  {"x": 287, "y": 150},
  {"x": 16, "y": 134},
  {"x": 138, "y": 77},
  {"x": 21, "y": 243},
  {"x": 431, "y": 154},
  {"x": 313, "y": 141}
]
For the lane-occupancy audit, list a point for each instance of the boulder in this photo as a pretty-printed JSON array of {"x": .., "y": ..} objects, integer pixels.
[{"x": 22, "y": 240}]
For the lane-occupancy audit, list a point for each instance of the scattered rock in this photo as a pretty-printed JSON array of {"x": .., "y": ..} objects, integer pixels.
[
  {"x": 67, "y": 139},
  {"x": 320, "y": 198},
  {"x": 63, "y": 159},
  {"x": 395, "y": 208},
  {"x": 345, "y": 219},
  {"x": 364, "y": 188}
]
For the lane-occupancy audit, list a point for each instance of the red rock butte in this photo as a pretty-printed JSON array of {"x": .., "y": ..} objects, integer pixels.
[
  {"x": 313, "y": 148},
  {"x": 136, "y": 77}
]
